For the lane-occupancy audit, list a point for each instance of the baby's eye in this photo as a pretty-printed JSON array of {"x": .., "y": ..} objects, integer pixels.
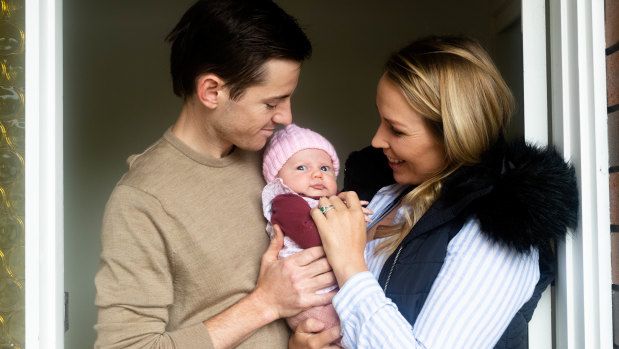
[
  {"x": 325, "y": 168},
  {"x": 301, "y": 167}
]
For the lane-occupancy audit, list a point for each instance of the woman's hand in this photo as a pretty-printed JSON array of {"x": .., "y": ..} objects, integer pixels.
[
  {"x": 307, "y": 335},
  {"x": 343, "y": 233}
]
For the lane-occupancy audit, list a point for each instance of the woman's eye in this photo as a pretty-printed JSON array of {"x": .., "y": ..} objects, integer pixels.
[
  {"x": 301, "y": 167},
  {"x": 396, "y": 132},
  {"x": 325, "y": 168}
]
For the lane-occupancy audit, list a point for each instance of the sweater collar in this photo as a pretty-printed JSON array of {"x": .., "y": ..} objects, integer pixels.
[{"x": 227, "y": 160}]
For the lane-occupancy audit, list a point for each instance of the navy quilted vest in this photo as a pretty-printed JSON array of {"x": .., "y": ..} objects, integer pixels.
[{"x": 408, "y": 274}]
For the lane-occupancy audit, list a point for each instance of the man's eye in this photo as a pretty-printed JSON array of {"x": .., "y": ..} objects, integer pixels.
[
  {"x": 325, "y": 168},
  {"x": 271, "y": 106},
  {"x": 301, "y": 167}
]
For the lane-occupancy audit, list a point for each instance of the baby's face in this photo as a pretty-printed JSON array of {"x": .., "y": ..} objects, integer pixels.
[{"x": 310, "y": 172}]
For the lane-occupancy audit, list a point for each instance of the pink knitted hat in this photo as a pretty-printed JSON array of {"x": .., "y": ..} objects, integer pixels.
[{"x": 287, "y": 142}]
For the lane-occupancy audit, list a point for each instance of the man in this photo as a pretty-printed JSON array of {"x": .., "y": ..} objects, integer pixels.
[{"x": 183, "y": 232}]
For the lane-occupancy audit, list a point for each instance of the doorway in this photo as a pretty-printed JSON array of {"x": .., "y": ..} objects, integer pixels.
[{"x": 118, "y": 96}]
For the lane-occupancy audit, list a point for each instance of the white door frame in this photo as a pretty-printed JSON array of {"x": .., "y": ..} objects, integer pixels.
[
  {"x": 533, "y": 19},
  {"x": 44, "y": 175},
  {"x": 579, "y": 131}
]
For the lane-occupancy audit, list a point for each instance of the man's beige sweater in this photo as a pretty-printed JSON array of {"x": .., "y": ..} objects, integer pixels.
[{"x": 182, "y": 239}]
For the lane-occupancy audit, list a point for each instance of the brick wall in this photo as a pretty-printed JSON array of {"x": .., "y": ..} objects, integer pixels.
[{"x": 612, "y": 84}]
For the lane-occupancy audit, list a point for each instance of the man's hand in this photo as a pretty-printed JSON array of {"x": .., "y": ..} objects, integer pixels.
[
  {"x": 285, "y": 288},
  {"x": 288, "y": 286},
  {"x": 308, "y": 335}
]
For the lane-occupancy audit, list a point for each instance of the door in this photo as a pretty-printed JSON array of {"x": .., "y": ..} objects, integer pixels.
[
  {"x": 575, "y": 124},
  {"x": 568, "y": 111},
  {"x": 579, "y": 131},
  {"x": 43, "y": 224}
]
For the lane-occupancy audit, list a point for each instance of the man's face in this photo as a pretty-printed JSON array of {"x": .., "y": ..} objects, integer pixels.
[{"x": 249, "y": 121}]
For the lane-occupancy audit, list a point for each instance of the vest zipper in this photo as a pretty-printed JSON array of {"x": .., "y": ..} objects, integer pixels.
[{"x": 391, "y": 270}]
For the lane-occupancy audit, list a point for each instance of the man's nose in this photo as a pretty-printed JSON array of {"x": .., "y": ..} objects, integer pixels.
[{"x": 284, "y": 115}]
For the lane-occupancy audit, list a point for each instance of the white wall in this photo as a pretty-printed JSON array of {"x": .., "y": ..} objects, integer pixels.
[
  {"x": 117, "y": 101},
  {"x": 351, "y": 40},
  {"x": 118, "y": 97}
]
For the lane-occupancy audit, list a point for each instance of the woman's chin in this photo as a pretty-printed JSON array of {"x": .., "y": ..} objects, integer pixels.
[{"x": 405, "y": 180}]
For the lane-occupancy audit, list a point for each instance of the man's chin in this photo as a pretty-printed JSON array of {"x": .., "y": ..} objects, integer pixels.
[{"x": 256, "y": 146}]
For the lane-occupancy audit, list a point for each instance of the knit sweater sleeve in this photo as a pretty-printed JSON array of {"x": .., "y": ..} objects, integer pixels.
[
  {"x": 292, "y": 214},
  {"x": 134, "y": 281}
]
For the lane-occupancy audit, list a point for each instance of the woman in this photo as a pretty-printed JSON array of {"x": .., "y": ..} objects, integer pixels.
[{"x": 460, "y": 250}]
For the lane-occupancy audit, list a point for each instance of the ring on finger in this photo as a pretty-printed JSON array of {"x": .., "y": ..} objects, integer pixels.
[{"x": 325, "y": 209}]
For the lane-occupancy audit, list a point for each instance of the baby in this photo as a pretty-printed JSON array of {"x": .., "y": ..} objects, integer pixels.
[{"x": 299, "y": 166}]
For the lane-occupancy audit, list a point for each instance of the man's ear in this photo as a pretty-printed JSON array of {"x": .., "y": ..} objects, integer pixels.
[{"x": 210, "y": 90}]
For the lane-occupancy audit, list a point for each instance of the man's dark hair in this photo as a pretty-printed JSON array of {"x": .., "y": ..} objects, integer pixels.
[{"x": 232, "y": 39}]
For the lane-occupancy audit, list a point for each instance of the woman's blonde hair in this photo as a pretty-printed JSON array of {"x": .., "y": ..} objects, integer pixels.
[{"x": 453, "y": 83}]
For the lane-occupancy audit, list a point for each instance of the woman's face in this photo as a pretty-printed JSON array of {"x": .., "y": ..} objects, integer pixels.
[{"x": 414, "y": 154}]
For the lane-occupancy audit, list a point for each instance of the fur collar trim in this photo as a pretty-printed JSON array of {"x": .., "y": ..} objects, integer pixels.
[{"x": 530, "y": 194}]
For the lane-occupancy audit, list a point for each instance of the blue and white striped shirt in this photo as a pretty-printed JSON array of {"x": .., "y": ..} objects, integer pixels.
[{"x": 481, "y": 286}]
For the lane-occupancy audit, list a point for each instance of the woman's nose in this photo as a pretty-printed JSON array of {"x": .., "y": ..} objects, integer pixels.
[{"x": 378, "y": 141}]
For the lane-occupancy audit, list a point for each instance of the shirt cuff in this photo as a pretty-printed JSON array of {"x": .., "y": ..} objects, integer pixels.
[{"x": 350, "y": 302}]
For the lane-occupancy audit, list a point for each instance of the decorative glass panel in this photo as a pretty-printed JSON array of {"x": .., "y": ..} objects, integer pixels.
[{"x": 12, "y": 268}]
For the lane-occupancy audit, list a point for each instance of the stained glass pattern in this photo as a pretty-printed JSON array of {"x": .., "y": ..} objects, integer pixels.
[{"x": 12, "y": 135}]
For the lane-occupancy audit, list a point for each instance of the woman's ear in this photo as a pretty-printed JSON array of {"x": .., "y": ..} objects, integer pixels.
[{"x": 210, "y": 90}]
